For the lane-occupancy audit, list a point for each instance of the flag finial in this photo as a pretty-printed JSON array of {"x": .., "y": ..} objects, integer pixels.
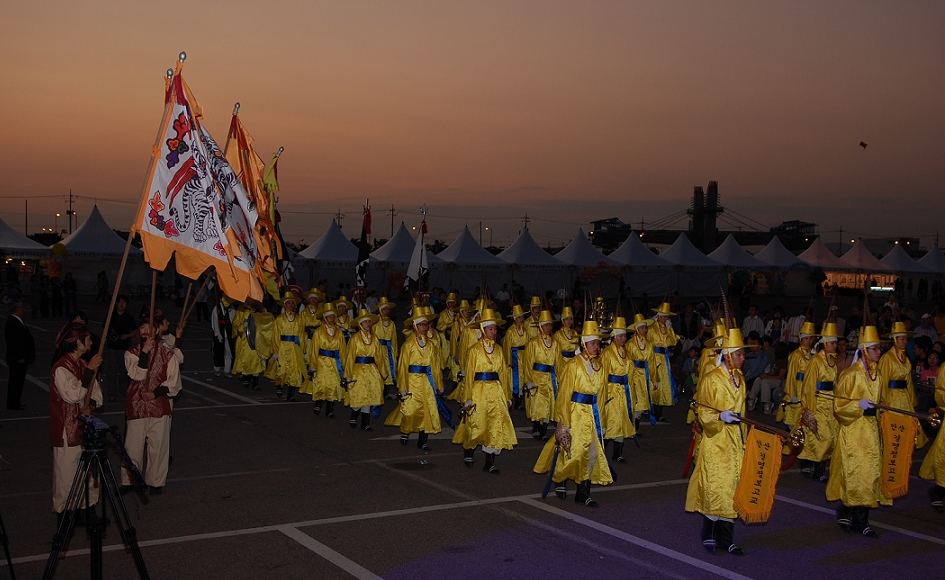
[
  {"x": 281, "y": 149},
  {"x": 236, "y": 108},
  {"x": 170, "y": 73},
  {"x": 182, "y": 56}
]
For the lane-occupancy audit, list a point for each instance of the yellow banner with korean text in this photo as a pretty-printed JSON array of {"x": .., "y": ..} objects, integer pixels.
[
  {"x": 754, "y": 495},
  {"x": 899, "y": 432}
]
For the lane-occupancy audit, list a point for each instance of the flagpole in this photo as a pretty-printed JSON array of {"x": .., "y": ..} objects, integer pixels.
[{"x": 229, "y": 133}]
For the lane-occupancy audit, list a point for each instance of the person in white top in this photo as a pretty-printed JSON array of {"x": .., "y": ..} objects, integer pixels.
[{"x": 753, "y": 322}]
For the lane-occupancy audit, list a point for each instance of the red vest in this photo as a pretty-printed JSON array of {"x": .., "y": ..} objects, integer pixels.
[
  {"x": 135, "y": 406},
  {"x": 62, "y": 414}
]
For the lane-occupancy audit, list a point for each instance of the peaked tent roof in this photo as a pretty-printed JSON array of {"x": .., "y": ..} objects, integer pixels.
[
  {"x": 934, "y": 260},
  {"x": 633, "y": 253},
  {"x": 580, "y": 252},
  {"x": 775, "y": 254},
  {"x": 860, "y": 258},
  {"x": 13, "y": 242},
  {"x": 399, "y": 248},
  {"x": 683, "y": 253},
  {"x": 818, "y": 256},
  {"x": 525, "y": 251},
  {"x": 333, "y": 245},
  {"x": 466, "y": 250},
  {"x": 732, "y": 254},
  {"x": 96, "y": 237},
  {"x": 898, "y": 260}
]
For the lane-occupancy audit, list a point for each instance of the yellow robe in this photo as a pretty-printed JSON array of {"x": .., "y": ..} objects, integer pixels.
[
  {"x": 797, "y": 364},
  {"x": 418, "y": 412},
  {"x": 445, "y": 323},
  {"x": 370, "y": 375},
  {"x": 288, "y": 335},
  {"x": 310, "y": 322},
  {"x": 469, "y": 336},
  {"x": 933, "y": 466},
  {"x": 540, "y": 405},
  {"x": 661, "y": 338},
  {"x": 326, "y": 386},
  {"x": 247, "y": 360},
  {"x": 567, "y": 339},
  {"x": 579, "y": 379},
  {"x": 490, "y": 424},
  {"x": 721, "y": 448},
  {"x": 857, "y": 458},
  {"x": 644, "y": 363},
  {"x": 617, "y": 412},
  {"x": 386, "y": 332},
  {"x": 895, "y": 365},
  {"x": 516, "y": 338},
  {"x": 822, "y": 368},
  {"x": 532, "y": 327}
]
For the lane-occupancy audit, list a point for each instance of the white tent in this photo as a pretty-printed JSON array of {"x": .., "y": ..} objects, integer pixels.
[
  {"x": 466, "y": 265},
  {"x": 332, "y": 248},
  {"x": 775, "y": 254},
  {"x": 818, "y": 256},
  {"x": 399, "y": 248},
  {"x": 934, "y": 260},
  {"x": 683, "y": 253},
  {"x": 788, "y": 274},
  {"x": 580, "y": 252},
  {"x": 860, "y": 258},
  {"x": 695, "y": 273},
  {"x": 94, "y": 247},
  {"x": 526, "y": 253},
  {"x": 16, "y": 245},
  {"x": 466, "y": 251},
  {"x": 733, "y": 255},
  {"x": 899, "y": 261},
  {"x": 644, "y": 271},
  {"x": 96, "y": 239}
]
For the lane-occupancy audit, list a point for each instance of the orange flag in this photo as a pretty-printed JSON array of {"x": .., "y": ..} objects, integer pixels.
[
  {"x": 899, "y": 433},
  {"x": 754, "y": 496}
]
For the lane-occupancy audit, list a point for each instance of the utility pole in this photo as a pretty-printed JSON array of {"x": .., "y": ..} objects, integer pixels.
[
  {"x": 392, "y": 214},
  {"x": 840, "y": 252},
  {"x": 339, "y": 216},
  {"x": 480, "y": 233},
  {"x": 71, "y": 213},
  {"x": 26, "y": 217},
  {"x": 526, "y": 220}
]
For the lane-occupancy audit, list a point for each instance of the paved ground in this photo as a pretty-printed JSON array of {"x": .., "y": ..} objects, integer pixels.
[{"x": 264, "y": 489}]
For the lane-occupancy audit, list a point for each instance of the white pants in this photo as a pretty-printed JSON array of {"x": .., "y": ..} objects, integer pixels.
[
  {"x": 766, "y": 387},
  {"x": 151, "y": 436},
  {"x": 65, "y": 462}
]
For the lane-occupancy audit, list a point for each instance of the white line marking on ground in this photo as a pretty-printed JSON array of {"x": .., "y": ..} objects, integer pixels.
[
  {"x": 673, "y": 554},
  {"x": 349, "y": 566},
  {"x": 218, "y": 389},
  {"x": 31, "y": 379}
]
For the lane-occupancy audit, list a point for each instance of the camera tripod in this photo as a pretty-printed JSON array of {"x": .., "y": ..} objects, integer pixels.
[{"x": 94, "y": 465}]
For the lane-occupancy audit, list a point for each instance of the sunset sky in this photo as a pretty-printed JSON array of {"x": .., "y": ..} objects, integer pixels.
[{"x": 569, "y": 111}]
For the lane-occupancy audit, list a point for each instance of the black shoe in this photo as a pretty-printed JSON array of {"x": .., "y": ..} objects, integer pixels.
[
  {"x": 490, "y": 467},
  {"x": 353, "y": 421},
  {"x": 843, "y": 518},
  {"x": 318, "y": 407},
  {"x": 536, "y": 425},
  {"x": 662, "y": 420},
  {"x": 562, "y": 492},
  {"x": 583, "y": 494},
  {"x": 725, "y": 537},
  {"x": 936, "y": 496},
  {"x": 869, "y": 533},
  {"x": 543, "y": 431},
  {"x": 403, "y": 440},
  {"x": 366, "y": 422},
  {"x": 708, "y": 535},
  {"x": 279, "y": 392},
  {"x": 156, "y": 490},
  {"x": 290, "y": 394},
  {"x": 618, "y": 452},
  {"x": 422, "y": 441},
  {"x": 330, "y": 410}
]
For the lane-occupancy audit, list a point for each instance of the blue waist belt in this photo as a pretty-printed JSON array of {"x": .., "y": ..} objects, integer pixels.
[
  {"x": 799, "y": 377},
  {"x": 568, "y": 354},
  {"x": 898, "y": 384},
  {"x": 591, "y": 400},
  {"x": 618, "y": 379},
  {"x": 640, "y": 364},
  {"x": 418, "y": 369},
  {"x": 440, "y": 404},
  {"x": 660, "y": 350},
  {"x": 550, "y": 369},
  {"x": 515, "y": 374},
  {"x": 486, "y": 377},
  {"x": 364, "y": 360},
  {"x": 290, "y": 338},
  {"x": 824, "y": 385},
  {"x": 335, "y": 355},
  {"x": 390, "y": 359},
  {"x": 672, "y": 382}
]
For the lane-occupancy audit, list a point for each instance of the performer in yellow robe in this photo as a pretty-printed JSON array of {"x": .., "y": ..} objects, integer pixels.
[
  {"x": 310, "y": 320},
  {"x": 817, "y": 411},
  {"x": 386, "y": 332},
  {"x": 617, "y": 416},
  {"x": 365, "y": 363},
  {"x": 579, "y": 433},
  {"x": 418, "y": 383},
  {"x": 567, "y": 337},
  {"x": 539, "y": 371},
  {"x": 663, "y": 339},
  {"x": 325, "y": 357},
  {"x": 343, "y": 308},
  {"x": 486, "y": 419},
  {"x": 289, "y": 356},
  {"x": 933, "y": 466},
  {"x": 248, "y": 363},
  {"x": 533, "y": 324},
  {"x": 444, "y": 325},
  {"x": 513, "y": 343},
  {"x": 469, "y": 335},
  {"x": 895, "y": 368},
  {"x": 456, "y": 333},
  {"x": 721, "y": 400},
  {"x": 644, "y": 363},
  {"x": 857, "y": 458},
  {"x": 790, "y": 412}
]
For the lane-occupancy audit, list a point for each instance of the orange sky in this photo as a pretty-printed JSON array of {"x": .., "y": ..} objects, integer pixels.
[{"x": 567, "y": 111}]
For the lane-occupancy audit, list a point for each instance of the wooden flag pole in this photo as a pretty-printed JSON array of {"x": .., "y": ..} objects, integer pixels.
[
  {"x": 183, "y": 309},
  {"x": 187, "y": 313}
]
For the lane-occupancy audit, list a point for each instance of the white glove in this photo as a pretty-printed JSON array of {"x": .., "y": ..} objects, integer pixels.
[
  {"x": 729, "y": 417},
  {"x": 866, "y": 404},
  {"x": 275, "y": 357},
  {"x": 529, "y": 385}
]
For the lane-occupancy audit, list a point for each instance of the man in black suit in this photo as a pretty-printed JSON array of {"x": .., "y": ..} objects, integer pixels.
[{"x": 21, "y": 353}]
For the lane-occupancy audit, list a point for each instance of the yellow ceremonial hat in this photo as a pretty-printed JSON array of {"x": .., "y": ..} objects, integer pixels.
[
  {"x": 869, "y": 336},
  {"x": 489, "y": 317},
  {"x": 385, "y": 303},
  {"x": 536, "y": 301},
  {"x": 664, "y": 310},
  {"x": 599, "y": 299},
  {"x": 619, "y": 325},
  {"x": 899, "y": 329},
  {"x": 590, "y": 331},
  {"x": 829, "y": 331},
  {"x": 419, "y": 315},
  {"x": 639, "y": 320},
  {"x": 451, "y": 297},
  {"x": 545, "y": 317},
  {"x": 481, "y": 303},
  {"x": 326, "y": 309},
  {"x": 464, "y": 304},
  {"x": 363, "y": 315},
  {"x": 517, "y": 311},
  {"x": 733, "y": 341},
  {"x": 318, "y": 294},
  {"x": 566, "y": 312},
  {"x": 290, "y": 296},
  {"x": 808, "y": 330}
]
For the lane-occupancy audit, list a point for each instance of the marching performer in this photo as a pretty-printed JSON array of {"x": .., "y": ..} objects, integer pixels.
[
  {"x": 287, "y": 366},
  {"x": 343, "y": 308},
  {"x": 366, "y": 364},
  {"x": 820, "y": 426},
  {"x": 618, "y": 400},
  {"x": 456, "y": 333},
  {"x": 857, "y": 458},
  {"x": 566, "y": 337},
  {"x": 533, "y": 324},
  {"x": 444, "y": 325},
  {"x": 386, "y": 332},
  {"x": 513, "y": 343},
  {"x": 721, "y": 400},
  {"x": 486, "y": 419},
  {"x": 641, "y": 381},
  {"x": 663, "y": 339},
  {"x": 540, "y": 364},
  {"x": 579, "y": 432},
  {"x": 790, "y": 412},
  {"x": 418, "y": 383},
  {"x": 325, "y": 361},
  {"x": 895, "y": 368},
  {"x": 933, "y": 466},
  {"x": 251, "y": 353}
]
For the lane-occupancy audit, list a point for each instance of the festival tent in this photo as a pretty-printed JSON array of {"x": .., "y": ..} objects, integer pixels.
[
  {"x": 787, "y": 273},
  {"x": 934, "y": 260},
  {"x": 331, "y": 257},
  {"x": 392, "y": 260},
  {"x": 695, "y": 273},
  {"x": 584, "y": 260},
  {"x": 580, "y": 252},
  {"x": 644, "y": 271},
  {"x": 466, "y": 251},
  {"x": 775, "y": 254},
  {"x": 16, "y": 245},
  {"x": 467, "y": 265},
  {"x": 94, "y": 247},
  {"x": 818, "y": 256},
  {"x": 734, "y": 256},
  {"x": 860, "y": 258},
  {"x": 899, "y": 261},
  {"x": 531, "y": 266}
]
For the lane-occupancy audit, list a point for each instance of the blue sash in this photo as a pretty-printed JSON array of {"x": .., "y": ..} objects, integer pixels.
[
  {"x": 623, "y": 380},
  {"x": 364, "y": 360},
  {"x": 335, "y": 355},
  {"x": 486, "y": 377},
  {"x": 390, "y": 359},
  {"x": 900, "y": 384},
  {"x": 568, "y": 354},
  {"x": 440, "y": 405},
  {"x": 550, "y": 369},
  {"x": 591, "y": 400},
  {"x": 669, "y": 370},
  {"x": 290, "y": 338},
  {"x": 618, "y": 379},
  {"x": 824, "y": 385},
  {"x": 799, "y": 377},
  {"x": 515, "y": 377},
  {"x": 640, "y": 364}
]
